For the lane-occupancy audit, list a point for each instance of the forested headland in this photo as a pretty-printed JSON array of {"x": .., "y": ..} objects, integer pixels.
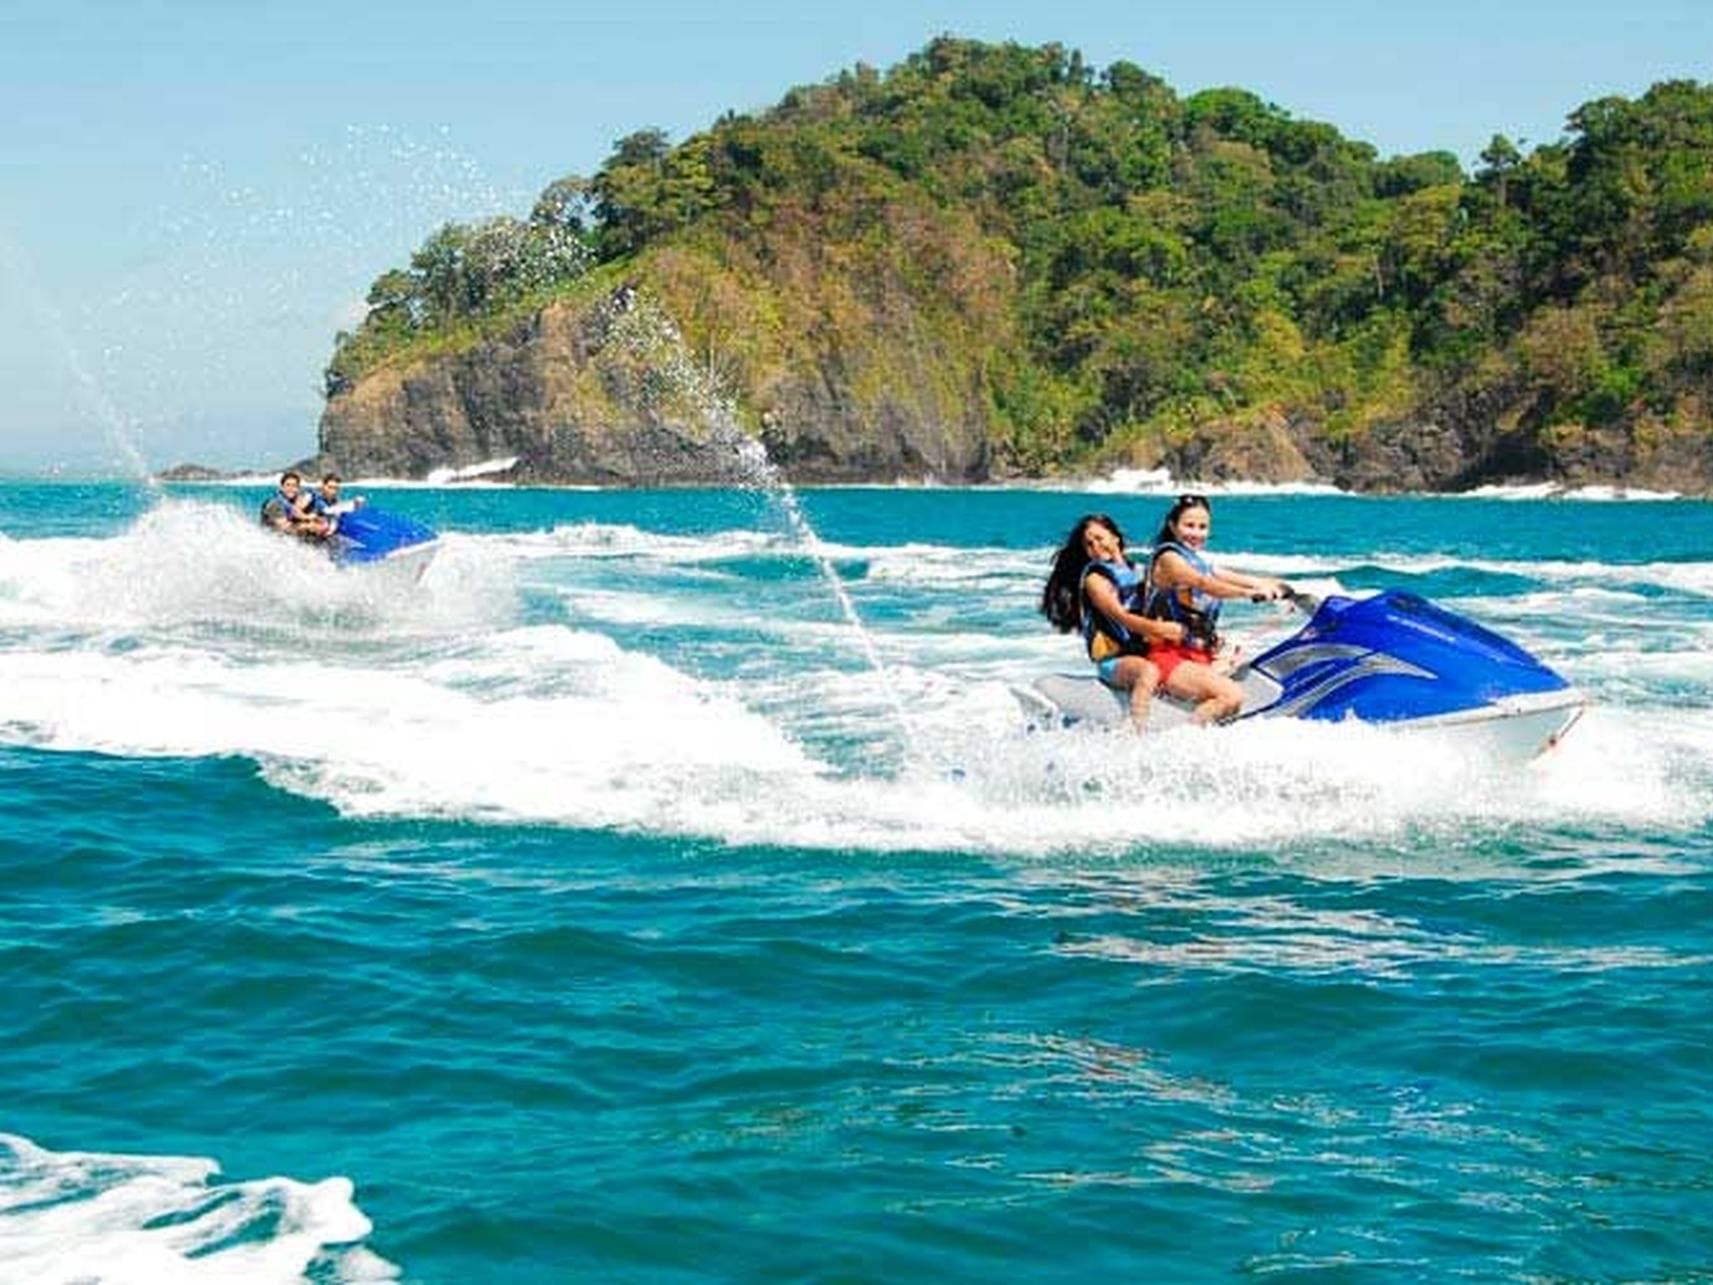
[{"x": 996, "y": 261}]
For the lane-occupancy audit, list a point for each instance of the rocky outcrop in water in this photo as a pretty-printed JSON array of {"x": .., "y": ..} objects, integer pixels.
[
  {"x": 555, "y": 394},
  {"x": 992, "y": 261},
  {"x": 194, "y": 473},
  {"x": 1456, "y": 445},
  {"x": 573, "y": 404},
  {"x": 606, "y": 392}
]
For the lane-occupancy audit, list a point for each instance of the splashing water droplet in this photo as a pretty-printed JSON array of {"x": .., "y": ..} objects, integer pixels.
[{"x": 642, "y": 326}]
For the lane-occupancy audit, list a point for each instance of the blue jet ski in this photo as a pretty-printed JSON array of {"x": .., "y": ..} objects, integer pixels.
[
  {"x": 1394, "y": 659},
  {"x": 365, "y": 535}
]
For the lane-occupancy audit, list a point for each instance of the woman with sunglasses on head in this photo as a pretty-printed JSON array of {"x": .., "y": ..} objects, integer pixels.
[
  {"x": 1184, "y": 587},
  {"x": 1094, "y": 588}
]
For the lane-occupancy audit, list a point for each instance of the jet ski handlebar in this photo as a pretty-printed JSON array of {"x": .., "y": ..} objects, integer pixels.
[{"x": 1306, "y": 603}]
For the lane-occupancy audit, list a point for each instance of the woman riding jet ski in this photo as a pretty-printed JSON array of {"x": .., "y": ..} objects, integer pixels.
[{"x": 1393, "y": 658}]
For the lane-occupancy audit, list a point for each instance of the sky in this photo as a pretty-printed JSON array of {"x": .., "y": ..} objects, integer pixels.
[{"x": 196, "y": 194}]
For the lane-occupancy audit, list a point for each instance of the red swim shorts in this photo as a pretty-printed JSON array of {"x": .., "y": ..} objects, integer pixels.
[{"x": 1168, "y": 656}]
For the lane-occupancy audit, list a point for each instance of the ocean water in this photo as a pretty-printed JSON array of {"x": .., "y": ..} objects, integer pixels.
[{"x": 609, "y": 906}]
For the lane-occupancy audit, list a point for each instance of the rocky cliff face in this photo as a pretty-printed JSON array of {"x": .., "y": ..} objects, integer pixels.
[
  {"x": 557, "y": 393},
  {"x": 605, "y": 391},
  {"x": 573, "y": 402},
  {"x": 1461, "y": 441}
]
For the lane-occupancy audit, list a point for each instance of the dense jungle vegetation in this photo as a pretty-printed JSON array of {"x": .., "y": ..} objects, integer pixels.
[{"x": 1117, "y": 260}]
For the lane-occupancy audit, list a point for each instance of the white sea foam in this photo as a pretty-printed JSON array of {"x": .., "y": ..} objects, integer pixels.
[
  {"x": 1558, "y": 491},
  {"x": 472, "y": 471},
  {"x": 1512, "y": 491},
  {"x": 1685, "y": 577},
  {"x": 1139, "y": 481},
  {"x": 186, "y": 564},
  {"x": 1265, "y": 488},
  {"x": 548, "y": 725},
  {"x": 237, "y": 480},
  {"x": 468, "y": 478},
  {"x": 542, "y": 723},
  {"x": 1607, "y": 494},
  {"x": 70, "y": 1218},
  {"x": 621, "y": 540},
  {"x": 648, "y": 705},
  {"x": 914, "y": 562},
  {"x": 921, "y": 562}
]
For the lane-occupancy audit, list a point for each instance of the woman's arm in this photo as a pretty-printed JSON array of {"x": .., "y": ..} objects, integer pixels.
[
  {"x": 1103, "y": 596},
  {"x": 1172, "y": 572},
  {"x": 1268, "y": 586}
]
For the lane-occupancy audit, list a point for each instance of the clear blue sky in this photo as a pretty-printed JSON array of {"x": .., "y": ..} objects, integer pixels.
[{"x": 194, "y": 195}]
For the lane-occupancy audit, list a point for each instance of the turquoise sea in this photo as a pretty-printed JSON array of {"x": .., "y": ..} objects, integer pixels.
[{"x": 668, "y": 890}]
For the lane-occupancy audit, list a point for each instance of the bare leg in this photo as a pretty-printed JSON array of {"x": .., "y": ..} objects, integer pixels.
[
  {"x": 1217, "y": 697},
  {"x": 1142, "y": 678}
]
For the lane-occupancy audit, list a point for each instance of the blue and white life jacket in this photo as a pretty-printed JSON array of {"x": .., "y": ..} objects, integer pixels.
[
  {"x": 277, "y": 505},
  {"x": 1102, "y": 636},
  {"x": 1195, "y": 609}
]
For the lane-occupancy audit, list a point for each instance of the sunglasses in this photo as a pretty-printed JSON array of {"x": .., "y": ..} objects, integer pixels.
[{"x": 1189, "y": 500}]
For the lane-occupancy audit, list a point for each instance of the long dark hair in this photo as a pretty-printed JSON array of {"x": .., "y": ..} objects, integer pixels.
[
  {"x": 1180, "y": 506},
  {"x": 1061, "y": 600}
]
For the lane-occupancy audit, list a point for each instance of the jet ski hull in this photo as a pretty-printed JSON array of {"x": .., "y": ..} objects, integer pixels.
[{"x": 371, "y": 537}]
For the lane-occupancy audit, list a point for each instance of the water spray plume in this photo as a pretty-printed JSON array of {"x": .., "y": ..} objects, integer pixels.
[
  {"x": 120, "y": 436},
  {"x": 647, "y": 332}
]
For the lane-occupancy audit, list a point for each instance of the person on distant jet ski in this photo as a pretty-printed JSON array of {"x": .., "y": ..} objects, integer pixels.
[
  {"x": 1184, "y": 587},
  {"x": 325, "y": 502},
  {"x": 1094, "y": 588},
  {"x": 288, "y": 511}
]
